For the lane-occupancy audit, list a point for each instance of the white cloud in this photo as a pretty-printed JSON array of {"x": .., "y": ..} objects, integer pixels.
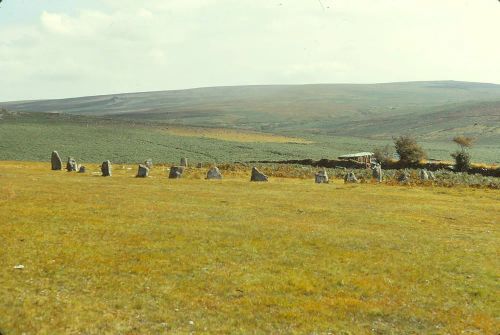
[{"x": 127, "y": 45}]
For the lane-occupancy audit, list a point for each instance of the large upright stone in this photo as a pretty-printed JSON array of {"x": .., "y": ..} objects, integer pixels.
[
  {"x": 377, "y": 172},
  {"x": 350, "y": 177},
  {"x": 56, "y": 161},
  {"x": 184, "y": 162},
  {"x": 143, "y": 171},
  {"x": 321, "y": 177},
  {"x": 71, "y": 164},
  {"x": 149, "y": 163},
  {"x": 424, "y": 176},
  {"x": 176, "y": 172},
  {"x": 214, "y": 173},
  {"x": 257, "y": 175},
  {"x": 106, "y": 169}
]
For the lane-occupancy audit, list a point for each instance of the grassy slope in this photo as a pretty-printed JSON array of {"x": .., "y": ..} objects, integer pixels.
[
  {"x": 347, "y": 110},
  {"x": 123, "y": 255},
  {"x": 33, "y": 136}
]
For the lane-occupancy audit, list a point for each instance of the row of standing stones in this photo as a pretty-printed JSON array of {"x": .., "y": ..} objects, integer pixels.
[
  {"x": 71, "y": 164},
  {"x": 143, "y": 169},
  {"x": 322, "y": 177},
  {"x": 214, "y": 173}
]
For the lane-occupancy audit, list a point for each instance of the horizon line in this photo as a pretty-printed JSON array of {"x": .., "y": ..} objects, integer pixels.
[{"x": 247, "y": 85}]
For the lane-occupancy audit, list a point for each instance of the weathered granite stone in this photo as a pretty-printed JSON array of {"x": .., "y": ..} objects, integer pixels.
[
  {"x": 56, "y": 161},
  {"x": 149, "y": 163},
  {"x": 257, "y": 175},
  {"x": 377, "y": 172},
  {"x": 424, "y": 176},
  {"x": 106, "y": 169},
  {"x": 404, "y": 177},
  {"x": 176, "y": 172},
  {"x": 81, "y": 169},
  {"x": 184, "y": 162},
  {"x": 321, "y": 177},
  {"x": 142, "y": 171},
  {"x": 350, "y": 177},
  {"x": 214, "y": 173},
  {"x": 71, "y": 164}
]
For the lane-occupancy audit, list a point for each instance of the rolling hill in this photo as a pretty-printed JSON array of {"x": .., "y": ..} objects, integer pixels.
[{"x": 336, "y": 117}]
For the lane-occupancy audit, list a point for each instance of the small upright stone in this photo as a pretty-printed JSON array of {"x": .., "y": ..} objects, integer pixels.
[
  {"x": 184, "y": 162},
  {"x": 404, "y": 177},
  {"x": 81, "y": 169},
  {"x": 214, "y": 173},
  {"x": 257, "y": 175},
  {"x": 149, "y": 163},
  {"x": 143, "y": 171},
  {"x": 431, "y": 175},
  {"x": 56, "y": 161},
  {"x": 350, "y": 177},
  {"x": 176, "y": 172},
  {"x": 106, "y": 169},
  {"x": 321, "y": 177},
  {"x": 377, "y": 172},
  {"x": 424, "y": 176},
  {"x": 71, "y": 164}
]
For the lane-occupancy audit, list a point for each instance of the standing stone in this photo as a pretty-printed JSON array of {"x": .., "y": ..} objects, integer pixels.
[
  {"x": 56, "y": 161},
  {"x": 149, "y": 163},
  {"x": 431, "y": 175},
  {"x": 143, "y": 171},
  {"x": 81, "y": 169},
  {"x": 214, "y": 173},
  {"x": 350, "y": 177},
  {"x": 377, "y": 172},
  {"x": 184, "y": 162},
  {"x": 257, "y": 175},
  {"x": 424, "y": 176},
  {"x": 404, "y": 177},
  {"x": 176, "y": 172},
  {"x": 71, "y": 164},
  {"x": 321, "y": 177},
  {"x": 106, "y": 169}
]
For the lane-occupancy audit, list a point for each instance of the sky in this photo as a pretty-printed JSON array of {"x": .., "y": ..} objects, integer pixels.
[{"x": 69, "y": 48}]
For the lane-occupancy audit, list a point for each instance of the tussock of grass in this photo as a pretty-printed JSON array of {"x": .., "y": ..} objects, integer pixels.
[{"x": 145, "y": 256}]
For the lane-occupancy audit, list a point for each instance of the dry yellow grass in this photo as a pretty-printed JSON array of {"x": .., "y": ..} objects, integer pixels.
[
  {"x": 122, "y": 255},
  {"x": 225, "y": 134}
]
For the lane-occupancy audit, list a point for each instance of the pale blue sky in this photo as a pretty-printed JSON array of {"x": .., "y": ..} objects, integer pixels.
[{"x": 65, "y": 48}]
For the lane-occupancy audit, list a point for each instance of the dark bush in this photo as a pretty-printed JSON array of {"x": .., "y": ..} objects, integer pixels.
[
  {"x": 408, "y": 149},
  {"x": 462, "y": 161}
]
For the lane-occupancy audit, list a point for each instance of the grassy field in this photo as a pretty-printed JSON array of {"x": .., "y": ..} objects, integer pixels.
[{"x": 122, "y": 255}]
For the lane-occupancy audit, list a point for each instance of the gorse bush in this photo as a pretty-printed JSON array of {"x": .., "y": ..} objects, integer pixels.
[
  {"x": 462, "y": 157},
  {"x": 408, "y": 149},
  {"x": 462, "y": 161}
]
